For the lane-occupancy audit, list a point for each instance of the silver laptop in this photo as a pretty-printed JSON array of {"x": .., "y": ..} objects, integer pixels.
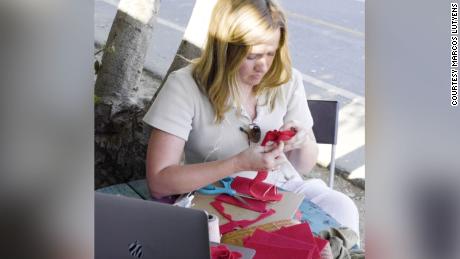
[{"x": 134, "y": 228}]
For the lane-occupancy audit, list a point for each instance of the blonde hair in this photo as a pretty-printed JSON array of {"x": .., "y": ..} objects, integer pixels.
[{"x": 235, "y": 26}]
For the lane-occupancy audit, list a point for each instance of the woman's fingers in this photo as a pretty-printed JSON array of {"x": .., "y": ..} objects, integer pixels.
[
  {"x": 278, "y": 150},
  {"x": 275, "y": 157},
  {"x": 263, "y": 157},
  {"x": 297, "y": 141},
  {"x": 280, "y": 160},
  {"x": 270, "y": 147},
  {"x": 290, "y": 124},
  {"x": 300, "y": 137}
]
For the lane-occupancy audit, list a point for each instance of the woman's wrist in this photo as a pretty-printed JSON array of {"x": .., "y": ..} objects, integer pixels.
[{"x": 237, "y": 163}]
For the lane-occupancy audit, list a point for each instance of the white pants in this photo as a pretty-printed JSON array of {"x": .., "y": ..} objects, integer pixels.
[{"x": 335, "y": 203}]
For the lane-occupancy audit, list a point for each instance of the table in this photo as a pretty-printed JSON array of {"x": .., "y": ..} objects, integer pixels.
[{"x": 317, "y": 218}]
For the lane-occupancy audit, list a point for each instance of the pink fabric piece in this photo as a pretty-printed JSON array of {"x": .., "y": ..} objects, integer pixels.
[
  {"x": 271, "y": 245},
  {"x": 256, "y": 205},
  {"x": 268, "y": 192},
  {"x": 222, "y": 252},
  {"x": 233, "y": 225},
  {"x": 298, "y": 215}
]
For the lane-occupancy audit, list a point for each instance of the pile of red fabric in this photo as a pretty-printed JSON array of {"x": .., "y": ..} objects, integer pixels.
[
  {"x": 241, "y": 185},
  {"x": 289, "y": 242},
  {"x": 256, "y": 188}
]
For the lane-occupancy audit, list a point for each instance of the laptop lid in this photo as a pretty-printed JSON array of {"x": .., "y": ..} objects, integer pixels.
[{"x": 134, "y": 228}]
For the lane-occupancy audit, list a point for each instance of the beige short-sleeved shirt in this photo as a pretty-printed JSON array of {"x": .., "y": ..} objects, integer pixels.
[{"x": 183, "y": 110}]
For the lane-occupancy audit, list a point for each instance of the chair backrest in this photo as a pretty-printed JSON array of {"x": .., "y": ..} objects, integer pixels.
[{"x": 325, "y": 119}]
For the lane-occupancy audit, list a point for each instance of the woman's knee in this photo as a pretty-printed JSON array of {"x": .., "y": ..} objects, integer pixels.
[
  {"x": 337, "y": 204},
  {"x": 342, "y": 202},
  {"x": 341, "y": 207},
  {"x": 310, "y": 188}
]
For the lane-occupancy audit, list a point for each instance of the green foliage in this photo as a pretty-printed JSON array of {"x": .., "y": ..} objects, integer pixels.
[
  {"x": 97, "y": 63},
  {"x": 97, "y": 99},
  {"x": 111, "y": 50}
]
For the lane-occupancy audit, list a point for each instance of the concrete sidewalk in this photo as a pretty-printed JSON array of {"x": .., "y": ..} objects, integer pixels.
[{"x": 167, "y": 35}]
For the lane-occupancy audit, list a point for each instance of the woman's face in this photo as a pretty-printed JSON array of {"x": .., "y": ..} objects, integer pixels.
[{"x": 258, "y": 61}]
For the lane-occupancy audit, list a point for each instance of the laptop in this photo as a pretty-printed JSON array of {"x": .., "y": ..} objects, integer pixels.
[{"x": 134, "y": 228}]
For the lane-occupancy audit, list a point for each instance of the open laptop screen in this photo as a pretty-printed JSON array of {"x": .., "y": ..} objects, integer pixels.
[{"x": 134, "y": 228}]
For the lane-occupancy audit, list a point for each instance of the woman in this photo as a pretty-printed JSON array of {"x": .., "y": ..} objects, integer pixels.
[{"x": 213, "y": 110}]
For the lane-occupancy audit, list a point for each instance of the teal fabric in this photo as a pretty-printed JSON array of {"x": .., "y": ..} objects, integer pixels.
[{"x": 317, "y": 218}]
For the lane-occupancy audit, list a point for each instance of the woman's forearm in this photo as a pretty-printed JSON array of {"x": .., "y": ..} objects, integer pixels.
[
  {"x": 304, "y": 159},
  {"x": 165, "y": 175},
  {"x": 176, "y": 179}
]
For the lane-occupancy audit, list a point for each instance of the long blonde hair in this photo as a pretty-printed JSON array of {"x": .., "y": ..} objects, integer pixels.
[{"x": 235, "y": 26}]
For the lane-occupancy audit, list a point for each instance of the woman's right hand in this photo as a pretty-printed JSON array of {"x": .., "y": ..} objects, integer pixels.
[{"x": 257, "y": 158}]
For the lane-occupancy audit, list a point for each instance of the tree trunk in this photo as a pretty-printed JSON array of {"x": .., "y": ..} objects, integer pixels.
[
  {"x": 120, "y": 138},
  {"x": 125, "y": 50}
]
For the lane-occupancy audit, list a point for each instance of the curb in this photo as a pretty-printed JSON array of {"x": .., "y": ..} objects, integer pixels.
[{"x": 359, "y": 182}]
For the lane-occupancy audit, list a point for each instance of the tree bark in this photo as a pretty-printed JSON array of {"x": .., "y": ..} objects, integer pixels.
[
  {"x": 125, "y": 50},
  {"x": 120, "y": 138}
]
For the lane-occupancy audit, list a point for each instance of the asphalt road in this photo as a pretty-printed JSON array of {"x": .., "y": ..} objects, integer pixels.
[{"x": 326, "y": 39}]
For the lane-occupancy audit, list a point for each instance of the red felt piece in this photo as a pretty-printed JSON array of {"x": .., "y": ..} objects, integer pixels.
[
  {"x": 274, "y": 239},
  {"x": 261, "y": 176},
  {"x": 262, "y": 191},
  {"x": 243, "y": 185},
  {"x": 302, "y": 233},
  {"x": 272, "y": 252},
  {"x": 267, "y": 244},
  {"x": 277, "y": 136},
  {"x": 233, "y": 225},
  {"x": 256, "y": 205},
  {"x": 321, "y": 243},
  {"x": 222, "y": 252}
]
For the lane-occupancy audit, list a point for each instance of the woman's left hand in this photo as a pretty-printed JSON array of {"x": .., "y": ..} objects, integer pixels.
[{"x": 302, "y": 137}]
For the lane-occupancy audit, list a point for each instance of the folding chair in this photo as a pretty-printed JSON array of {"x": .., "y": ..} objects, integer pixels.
[{"x": 325, "y": 117}]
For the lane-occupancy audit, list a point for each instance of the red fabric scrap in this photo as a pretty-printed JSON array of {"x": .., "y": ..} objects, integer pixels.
[
  {"x": 258, "y": 189},
  {"x": 264, "y": 192},
  {"x": 243, "y": 185},
  {"x": 222, "y": 252},
  {"x": 274, "y": 252},
  {"x": 256, "y": 205},
  {"x": 274, "y": 246},
  {"x": 233, "y": 225},
  {"x": 302, "y": 233},
  {"x": 321, "y": 243},
  {"x": 295, "y": 241}
]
